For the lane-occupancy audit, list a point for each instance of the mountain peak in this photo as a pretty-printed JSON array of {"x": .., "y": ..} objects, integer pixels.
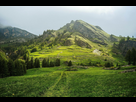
[
  {"x": 91, "y": 32},
  {"x": 72, "y": 21}
]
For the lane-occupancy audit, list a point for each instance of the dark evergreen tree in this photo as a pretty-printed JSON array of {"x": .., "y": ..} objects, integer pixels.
[
  {"x": 44, "y": 63},
  {"x": 32, "y": 63},
  {"x": 16, "y": 72},
  {"x": 11, "y": 67},
  {"x": 90, "y": 63},
  {"x": 51, "y": 64},
  {"x": 57, "y": 63},
  {"x": 20, "y": 68},
  {"x": 70, "y": 63},
  {"x": 24, "y": 56},
  {"x": 37, "y": 63},
  {"x": 26, "y": 62},
  {"x": 47, "y": 63},
  {"x": 128, "y": 57},
  {"x": 4, "y": 72},
  {"x": 107, "y": 64},
  {"x": 111, "y": 64},
  {"x": 117, "y": 65},
  {"x": 133, "y": 56},
  {"x": 24, "y": 67},
  {"x": 128, "y": 38}
]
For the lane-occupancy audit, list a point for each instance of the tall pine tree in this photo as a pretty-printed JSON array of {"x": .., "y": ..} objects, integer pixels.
[
  {"x": 11, "y": 67},
  {"x": 128, "y": 57},
  {"x": 43, "y": 62},
  {"x": 32, "y": 63},
  {"x": 37, "y": 63},
  {"x": 47, "y": 63},
  {"x": 133, "y": 56},
  {"x": 4, "y": 72},
  {"x": 57, "y": 63}
]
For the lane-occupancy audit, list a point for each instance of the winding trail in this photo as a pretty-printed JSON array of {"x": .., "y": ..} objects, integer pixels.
[{"x": 59, "y": 88}]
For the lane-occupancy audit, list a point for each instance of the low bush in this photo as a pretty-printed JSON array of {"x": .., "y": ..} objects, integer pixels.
[
  {"x": 34, "y": 50},
  {"x": 71, "y": 69}
]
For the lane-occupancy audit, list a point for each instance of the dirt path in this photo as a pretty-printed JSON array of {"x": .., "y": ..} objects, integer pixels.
[{"x": 59, "y": 88}]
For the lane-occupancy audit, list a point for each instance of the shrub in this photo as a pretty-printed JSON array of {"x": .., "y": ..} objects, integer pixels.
[
  {"x": 70, "y": 63},
  {"x": 34, "y": 50},
  {"x": 105, "y": 59},
  {"x": 107, "y": 64},
  {"x": 71, "y": 69},
  {"x": 90, "y": 64},
  {"x": 119, "y": 66}
]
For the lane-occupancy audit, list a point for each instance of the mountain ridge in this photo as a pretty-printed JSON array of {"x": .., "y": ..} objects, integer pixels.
[{"x": 11, "y": 34}]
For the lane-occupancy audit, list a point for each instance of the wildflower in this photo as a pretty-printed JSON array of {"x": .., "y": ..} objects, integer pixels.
[{"x": 13, "y": 94}]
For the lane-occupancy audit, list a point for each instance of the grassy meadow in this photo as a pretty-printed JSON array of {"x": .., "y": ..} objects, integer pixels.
[
  {"x": 77, "y": 54},
  {"x": 57, "y": 82}
]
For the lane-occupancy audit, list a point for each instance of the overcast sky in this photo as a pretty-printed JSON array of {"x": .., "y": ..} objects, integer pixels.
[{"x": 117, "y": 20}]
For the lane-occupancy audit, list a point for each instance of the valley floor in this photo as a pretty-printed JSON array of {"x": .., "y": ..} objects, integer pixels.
[{"x": 56, "y": 82}]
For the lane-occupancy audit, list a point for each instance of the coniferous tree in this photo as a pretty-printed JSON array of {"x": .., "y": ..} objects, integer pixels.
[
  {"x": 107, "y": 64},
  {"x": 128, "y": 38},
  {"x": 24, "y": 67},
  {"x": 57, "y": 63},
  {"x": 90, "y": 63},
  {"x": 128, "y": 57},
  {"x": 44, "y": 63},
  {"x": 47, "y": 63},
  {"x": 4, "y": 72},
  {"x": 35, "y": 63},
  {"x": 38, "y": 63},
  {"x": 32, "y": 64},
  {"x": 133, "y": 56},
  {"x": 20, "y": 68},
  {"x": 17, "y": 68},
  {"x": 70, "y": 63},
  {"x": 11, "y": 67},
  {"x": 51, "y": 64},
  {"x": 27, "y": 64}
]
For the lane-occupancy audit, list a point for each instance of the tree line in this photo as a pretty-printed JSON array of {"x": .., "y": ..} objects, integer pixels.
[
  {"x": 11, "y": 68},
  {"x": 47, "y": 63},
  {"x": 19, "y": 67}
]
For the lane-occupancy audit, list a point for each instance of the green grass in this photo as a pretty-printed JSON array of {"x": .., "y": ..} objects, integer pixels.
[
  {"x": 51, "y": 82},
  {"x": 76, "y": 54}
]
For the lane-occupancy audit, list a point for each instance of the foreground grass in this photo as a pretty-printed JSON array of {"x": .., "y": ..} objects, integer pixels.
[{"x": 56, "y": 82}]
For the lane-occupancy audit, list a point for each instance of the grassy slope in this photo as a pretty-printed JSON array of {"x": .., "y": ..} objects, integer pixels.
[
  {"x": 76, "y": 54},
  {"x": 91, "y": 82}
]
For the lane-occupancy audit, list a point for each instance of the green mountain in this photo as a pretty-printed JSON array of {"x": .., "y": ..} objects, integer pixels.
[
  {"x": 80, "y": 33},
  {"x": 13, "y": 34},
  {"x": 76, "y": 41}
]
